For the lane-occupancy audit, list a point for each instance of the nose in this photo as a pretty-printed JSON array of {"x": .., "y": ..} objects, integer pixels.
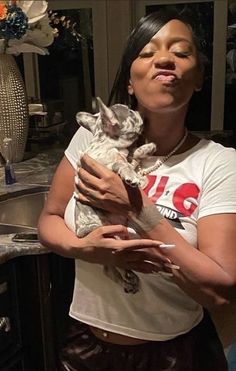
[{"x": 164, "y": 59}]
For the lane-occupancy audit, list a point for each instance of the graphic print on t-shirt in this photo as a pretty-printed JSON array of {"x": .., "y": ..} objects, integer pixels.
[{"x": 181, "y": 198}]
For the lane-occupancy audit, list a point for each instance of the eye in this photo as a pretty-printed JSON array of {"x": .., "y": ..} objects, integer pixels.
[
  {"x": 146, "y": 54},
  {"x": 181, "y": 54}
]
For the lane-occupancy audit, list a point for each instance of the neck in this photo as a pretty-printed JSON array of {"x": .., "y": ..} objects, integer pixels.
[{"x": 166, "y": 131}]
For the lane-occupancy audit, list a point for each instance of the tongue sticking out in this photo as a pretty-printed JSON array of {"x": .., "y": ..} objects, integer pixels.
[{"x": 168, "y": 78}]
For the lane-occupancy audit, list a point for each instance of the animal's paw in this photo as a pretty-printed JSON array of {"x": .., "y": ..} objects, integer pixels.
[
  {"x": 143, "y": 181},
  {"x": 144, "y": 151},
  {"x": 133, "y": 182},
  {"x": 140, "y": 181},
  {"x": 151, "y": 148}
]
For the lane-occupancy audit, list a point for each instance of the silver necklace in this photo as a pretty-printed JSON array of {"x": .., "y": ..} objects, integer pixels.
[{"x": 160, "y": 162}]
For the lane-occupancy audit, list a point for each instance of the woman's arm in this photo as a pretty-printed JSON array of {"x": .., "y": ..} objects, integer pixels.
[
  {"x": 207, "y": 274},
  {"x": 97, "y": 246},
  {"x": 52, "y": 229}
]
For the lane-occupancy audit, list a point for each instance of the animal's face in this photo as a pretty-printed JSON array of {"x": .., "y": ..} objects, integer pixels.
[
  {"x": 117, "y": 124},
  {"x": 130, "y": 123}
]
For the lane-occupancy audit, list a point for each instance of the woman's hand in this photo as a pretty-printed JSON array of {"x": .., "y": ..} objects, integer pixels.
[
  {"x": 100, "y": 187},
  {"x": 107, "y": 245}
]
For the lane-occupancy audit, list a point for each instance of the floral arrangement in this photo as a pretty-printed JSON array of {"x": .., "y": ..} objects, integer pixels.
[
  {"x": 67, "y": 29},
  {"x": 24, "y": 27}
]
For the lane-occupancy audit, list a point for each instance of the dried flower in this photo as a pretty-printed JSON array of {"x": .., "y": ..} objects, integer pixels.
[
  {"x": 3, "y": 11},
  {"x": 70, "y": 32},
  {"x": 15, "y": 23}
]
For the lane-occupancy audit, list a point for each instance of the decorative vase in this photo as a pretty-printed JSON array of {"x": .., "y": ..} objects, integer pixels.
[{"x": 14, "y": 118}]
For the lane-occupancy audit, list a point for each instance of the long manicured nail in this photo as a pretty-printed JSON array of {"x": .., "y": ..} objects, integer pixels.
[
  {"x": 172, "y": 266},
  {"x": 76, "y": 179},
  {"x": 154, "y": 264},
  {"x": 166, "y": 246}
]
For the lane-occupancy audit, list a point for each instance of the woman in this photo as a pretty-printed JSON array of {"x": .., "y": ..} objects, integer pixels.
[{"x": 191, "y": 182}]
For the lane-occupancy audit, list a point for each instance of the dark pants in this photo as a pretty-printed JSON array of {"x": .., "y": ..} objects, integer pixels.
[{"x": 198, "y": 350}]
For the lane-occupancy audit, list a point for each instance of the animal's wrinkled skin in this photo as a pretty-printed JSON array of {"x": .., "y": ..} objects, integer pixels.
[{"x": 115, "y": 132}]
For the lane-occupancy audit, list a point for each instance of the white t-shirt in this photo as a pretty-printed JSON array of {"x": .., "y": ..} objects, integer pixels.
[{"x": 196, "y": 183}]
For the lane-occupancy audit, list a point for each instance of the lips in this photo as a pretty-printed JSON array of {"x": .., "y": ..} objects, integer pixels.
[{"x": 165, "y": 76}]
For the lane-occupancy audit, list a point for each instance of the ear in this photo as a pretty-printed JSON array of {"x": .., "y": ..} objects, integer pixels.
[
  {"x": 130, "y": 88},
  {"x": 109, "y": 122},
  {"x": 87, "y": 120}
]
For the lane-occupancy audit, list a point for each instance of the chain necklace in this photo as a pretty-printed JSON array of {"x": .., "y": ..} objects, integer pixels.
[{"x": 159, "y": 162}]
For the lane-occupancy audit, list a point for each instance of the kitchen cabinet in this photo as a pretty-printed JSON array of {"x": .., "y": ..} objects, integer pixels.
[
  {"x": 11, "y": 354},
  {"x": 35, "y": 293}
]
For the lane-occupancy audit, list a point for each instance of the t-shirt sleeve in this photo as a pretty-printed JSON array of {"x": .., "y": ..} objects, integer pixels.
[
  {"x": 219, "y": 184},
  {"x": 78, "y": 144}
]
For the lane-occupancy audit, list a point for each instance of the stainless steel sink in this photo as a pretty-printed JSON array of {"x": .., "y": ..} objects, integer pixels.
[{"x": 20, "y": 212}]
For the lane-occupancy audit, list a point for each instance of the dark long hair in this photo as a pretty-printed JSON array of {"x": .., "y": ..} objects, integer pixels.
[{"x": 145, "y": 29}]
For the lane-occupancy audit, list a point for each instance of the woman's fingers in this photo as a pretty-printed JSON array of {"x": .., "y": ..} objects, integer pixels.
[
  {"x": 93, "y": 181},
  {"x": 143, "y": 267},
  {"x": 111, "y": 245},
  {"x": 160, "y": 244},
  {"x": 112, "y": 236},
  {"x": 129, "y": 245},
  {"x": 85, "y": 178},
  {"x": 93, "y": 167}
]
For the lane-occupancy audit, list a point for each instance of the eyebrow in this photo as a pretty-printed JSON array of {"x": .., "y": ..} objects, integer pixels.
[{"x": 174, "y": 40}]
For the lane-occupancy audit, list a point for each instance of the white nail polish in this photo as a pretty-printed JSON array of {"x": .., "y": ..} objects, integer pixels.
[
  {"x": 172, "y": 266},
  {"x": 166, "y": 246},
  {"x": 76, "y": 179},
  {"x": 155, "y": 264}
]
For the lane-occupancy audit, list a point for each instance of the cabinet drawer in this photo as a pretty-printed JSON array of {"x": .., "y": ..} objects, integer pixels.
[{"x": 10, "y": 339}]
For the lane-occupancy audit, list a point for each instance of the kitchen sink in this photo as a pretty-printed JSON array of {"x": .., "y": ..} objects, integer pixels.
[{"x": 20, "y": 212}]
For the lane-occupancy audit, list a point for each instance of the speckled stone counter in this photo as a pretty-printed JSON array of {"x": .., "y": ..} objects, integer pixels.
[
  {"x": 35, "y": 172},
  {"x": 10, "y": 249},
  {"x": 38, "y": 170}
]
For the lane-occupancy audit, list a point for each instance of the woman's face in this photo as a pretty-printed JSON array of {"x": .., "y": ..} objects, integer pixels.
[{"x": 165, "y": 74}]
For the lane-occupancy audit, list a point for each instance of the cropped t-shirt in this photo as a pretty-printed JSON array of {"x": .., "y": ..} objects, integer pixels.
[{"x": 187, "y": 187}]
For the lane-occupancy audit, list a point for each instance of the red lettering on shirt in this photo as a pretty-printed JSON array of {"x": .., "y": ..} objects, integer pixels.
[
  {"x": 183, "y": 193},
  {"x": 182, "y": 199},
  {"x": 159, "y": 189}
]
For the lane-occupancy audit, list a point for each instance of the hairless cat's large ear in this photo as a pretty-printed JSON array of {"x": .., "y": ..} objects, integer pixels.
[
  {"x": 110, "y": 122},
  {"x": 87, "y": 120}
]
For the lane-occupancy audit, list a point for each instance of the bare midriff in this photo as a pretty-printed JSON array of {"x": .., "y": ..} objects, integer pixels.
[{"x": 114, "y": 338}]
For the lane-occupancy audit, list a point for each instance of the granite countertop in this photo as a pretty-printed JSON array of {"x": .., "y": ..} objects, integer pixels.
[
  {"x": 35, "y": 172},
  {"x": 10, "y": 249}
]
